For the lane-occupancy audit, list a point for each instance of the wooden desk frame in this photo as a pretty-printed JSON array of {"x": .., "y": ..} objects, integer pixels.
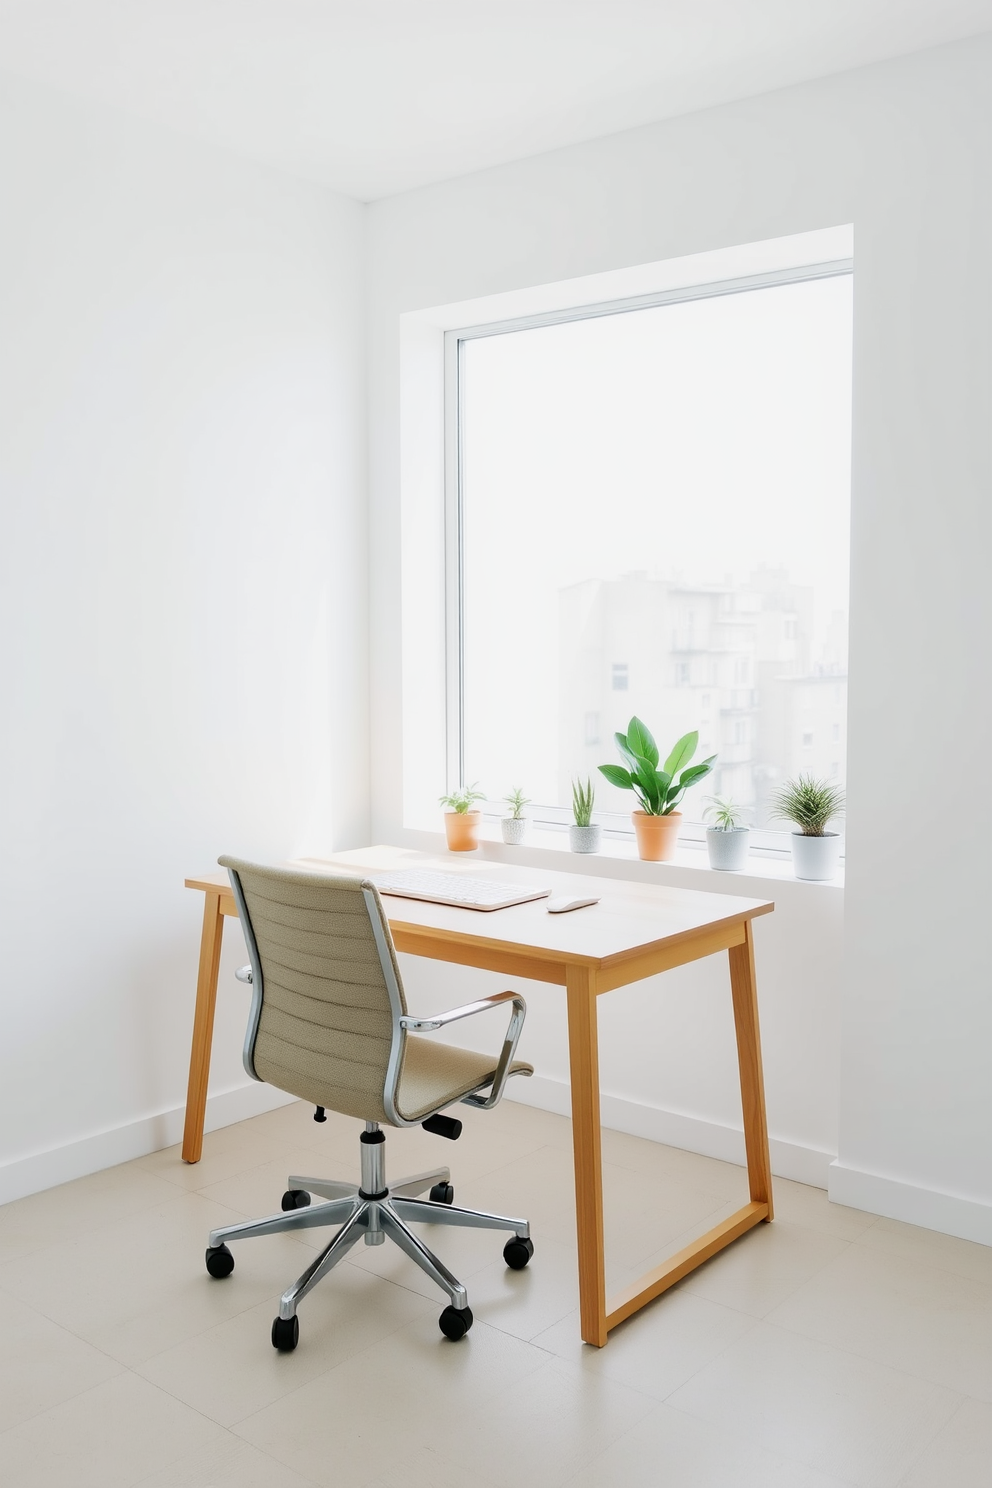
[{"x": 584, "y": 982}]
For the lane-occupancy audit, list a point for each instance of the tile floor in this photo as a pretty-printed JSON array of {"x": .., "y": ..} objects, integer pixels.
[{"x": 831, "y": 1348}]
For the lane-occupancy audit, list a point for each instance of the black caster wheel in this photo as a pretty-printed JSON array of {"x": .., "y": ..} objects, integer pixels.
[
  {"x": 517, "y": 1252},
  {"x": 443, "y": 1193},
  {"x": 455, "y": 1322},
  {"x": 295, "y": 1198},
  {"x": 285, "y": 1334},
  {"x": 220, "y": 1261}
]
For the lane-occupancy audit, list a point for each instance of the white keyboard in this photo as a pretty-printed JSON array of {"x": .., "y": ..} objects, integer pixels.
[{"x": 462, "y": 890}]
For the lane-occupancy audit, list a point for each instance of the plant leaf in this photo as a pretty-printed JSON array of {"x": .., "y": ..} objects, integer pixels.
[
  {"x": 682, "y": 753},
  {"x": 616, "y": 775},
  {"x": 695, "y": 772},
  {"x": 641, "y": 741}
]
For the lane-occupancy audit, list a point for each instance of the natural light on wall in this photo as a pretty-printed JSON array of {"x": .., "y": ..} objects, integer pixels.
[{"x": 654, "y": 521}]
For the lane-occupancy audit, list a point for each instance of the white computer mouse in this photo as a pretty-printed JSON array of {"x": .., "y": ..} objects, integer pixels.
[{"x": 561, "y": 903}]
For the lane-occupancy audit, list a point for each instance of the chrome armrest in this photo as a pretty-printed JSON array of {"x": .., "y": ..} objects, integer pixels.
[
  {"x": 243, "y": 974},
  {"x": 516, "y": 1023}
]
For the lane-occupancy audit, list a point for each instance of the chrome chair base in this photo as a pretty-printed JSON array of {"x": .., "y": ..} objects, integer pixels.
[{"x": 373, "y": 1213}]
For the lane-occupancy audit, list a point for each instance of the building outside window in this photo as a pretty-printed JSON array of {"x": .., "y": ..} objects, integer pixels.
[{"x": 673, "y": 483}]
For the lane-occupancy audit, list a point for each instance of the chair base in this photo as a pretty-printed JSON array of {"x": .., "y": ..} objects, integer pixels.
[{"x": 373, "y": 1213}]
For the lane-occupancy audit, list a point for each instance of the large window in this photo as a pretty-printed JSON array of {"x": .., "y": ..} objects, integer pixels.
[{"x": 651, "y": 517}]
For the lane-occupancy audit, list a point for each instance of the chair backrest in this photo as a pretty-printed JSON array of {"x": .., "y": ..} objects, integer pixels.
[{"x": 327, "y": 993}]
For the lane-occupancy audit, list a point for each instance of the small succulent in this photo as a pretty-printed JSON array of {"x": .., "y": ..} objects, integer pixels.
[
  {"x": 723, "y": 813},
  {"x": 516, "y": 800},
  {"x": 463, "y": 799},
  {"x": 583, "y": 798},
  {"x": 808, "y": 802}
]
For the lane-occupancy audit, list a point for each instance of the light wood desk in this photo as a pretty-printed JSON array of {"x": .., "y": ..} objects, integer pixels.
[{"x": 635, "y": 931}]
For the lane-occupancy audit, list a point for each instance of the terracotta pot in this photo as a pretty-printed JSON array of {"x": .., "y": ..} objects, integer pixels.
[
  {"x": 657, "y": 836},
  {"x": 462, "y": 830}
]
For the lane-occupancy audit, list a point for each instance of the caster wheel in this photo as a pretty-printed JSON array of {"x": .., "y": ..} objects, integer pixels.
[
  {"x": 285, "y": 1334},
  {"x": 517, "y": 1252},
  {"x": 220, "y": 1261},
  {"x": 443, "y": 1193},
  {"x": 295, "y": 1198},
  {"x": 455, "y": 1322}
]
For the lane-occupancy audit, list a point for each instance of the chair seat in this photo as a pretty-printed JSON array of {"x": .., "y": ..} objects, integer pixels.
[{"x": 436, "y": 1074}]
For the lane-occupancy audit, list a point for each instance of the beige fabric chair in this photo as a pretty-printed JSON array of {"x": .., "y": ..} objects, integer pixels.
[{"x": 329, "y": 1024}]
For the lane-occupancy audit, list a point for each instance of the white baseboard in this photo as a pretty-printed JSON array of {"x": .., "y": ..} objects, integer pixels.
[
  {"x": 968, "y": 1219},
  {"x": 710, "y": 1138},
  {"x": 28, "y": 1175}
]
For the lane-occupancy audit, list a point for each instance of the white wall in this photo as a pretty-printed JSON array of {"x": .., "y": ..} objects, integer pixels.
[
  {"x": 902, "y": 150},
  {"x": 183, "y": 664}
]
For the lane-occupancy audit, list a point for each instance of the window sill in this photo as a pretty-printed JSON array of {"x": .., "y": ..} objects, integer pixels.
[{"x": 547, "y": 847}]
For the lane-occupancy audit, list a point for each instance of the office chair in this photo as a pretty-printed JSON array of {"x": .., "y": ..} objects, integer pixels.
[{"x": 328, "y": 1023}]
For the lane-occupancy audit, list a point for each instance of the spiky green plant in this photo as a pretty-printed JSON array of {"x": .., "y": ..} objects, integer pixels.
[
  {"x": 657, "y": 790},
  {"x": 808, "y": 802},
  {"x": 462, "y": 799},
  {"x": 723, "y": 813},
  {"x": 583, "y": 798},
  {"x": 516, "y": 800}
]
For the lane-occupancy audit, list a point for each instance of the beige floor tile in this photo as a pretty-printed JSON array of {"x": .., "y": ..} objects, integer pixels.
[
  {"x": 913, "y": 1243},
  {"x": 108, "y": 1437},
  {"x": 230, "y": 1463},
  {"x": 831, "y": 1410},
  {"x": 75, "y": 1208},
  {"x": 708, "y": 1174},
  {"x": 960, "y": 1455},
  {"x": 670, "y": 1448},
  {"x": 527, "y": 1302},
  {"x": 545, "y": 1427},
  {"x": 232, "y": 1370},
  {"x": 659, "y": 1348},
  {"x": 900, "y": 1312},
  {"x": 764, "y": 1267},
  {"x": 42, "y": 1364},
  {"x": 140, "y": 1286},
  {"x": 421, "y": 1467},
  {"x": 226, "y": 1153},
  {"x": 256, "y": 1192},
  {"x": 358, "y": 1422},
  {"x": 801, "y": 1204}
]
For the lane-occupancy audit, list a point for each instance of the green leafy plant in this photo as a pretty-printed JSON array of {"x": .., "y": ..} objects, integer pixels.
[
  {"x": 659, "y": 791},
  {"x": 462, "y": 799},
  {"x": 808, "y": 802},
  {"x": 724, "y": 814},
  {"x": 516, "y": 801},
  {"x": 583, "y": 798}
]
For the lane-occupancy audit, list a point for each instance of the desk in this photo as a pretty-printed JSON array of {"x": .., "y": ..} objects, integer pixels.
[{"x": 635, "y": 931}]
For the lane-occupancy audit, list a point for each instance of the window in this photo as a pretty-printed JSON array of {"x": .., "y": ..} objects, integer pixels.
[{"x": 656, "y": 478}]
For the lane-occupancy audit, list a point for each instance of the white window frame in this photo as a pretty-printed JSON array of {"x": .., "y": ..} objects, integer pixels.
[{"x": 763, "y": 839}]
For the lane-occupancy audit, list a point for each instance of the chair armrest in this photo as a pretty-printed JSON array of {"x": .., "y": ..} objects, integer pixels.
[
  {"x": 243, "y": 974},
  {"x": 440, "y": 1020}
]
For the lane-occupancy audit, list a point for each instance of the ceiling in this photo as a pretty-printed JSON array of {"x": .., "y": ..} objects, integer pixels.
[{"x": 373, "y": 97}]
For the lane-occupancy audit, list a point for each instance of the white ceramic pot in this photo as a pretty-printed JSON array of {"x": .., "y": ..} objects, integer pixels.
[
  {"x": 514, "y": 829},
  {"x": 816, "y": 858},
  {"x": 728, "y": 850},
  {"x": 585, "y": 839}
]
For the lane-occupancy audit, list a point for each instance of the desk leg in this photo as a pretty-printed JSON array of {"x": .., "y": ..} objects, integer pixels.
[
  {"x": 203, "y": 1028},
  {"x": 745, "y": 994},
  {"x": 583, "y": 1054}
]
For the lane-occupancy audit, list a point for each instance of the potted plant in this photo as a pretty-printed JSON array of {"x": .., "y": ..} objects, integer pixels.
[
  {"x": 727, "y": 839},
  {"x": 515, "y": 825},
  {"x": 811, "y": 803},
  {"x": 584, "y": 835},
  {"x": 461, "y": 820},
  {"x": 657, "y": 823}
]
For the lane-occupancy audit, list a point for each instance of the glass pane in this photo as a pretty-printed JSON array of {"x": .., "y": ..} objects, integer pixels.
[{"x": 656, "y": 522}]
